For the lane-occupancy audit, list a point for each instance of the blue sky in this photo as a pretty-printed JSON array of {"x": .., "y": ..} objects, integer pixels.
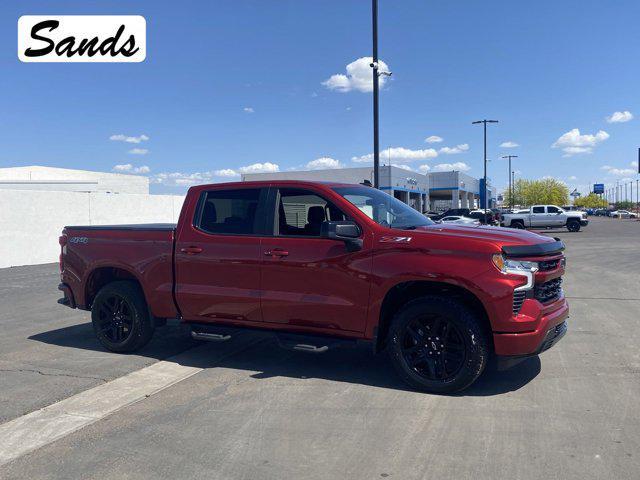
[{"x": 235, "y": 86}]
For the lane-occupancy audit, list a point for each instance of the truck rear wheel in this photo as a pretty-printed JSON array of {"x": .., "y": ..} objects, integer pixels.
[
  {"x": 120, "y": 317},
  {"x": 573, "y": 226},
  {"x": 438, "y": 345}
]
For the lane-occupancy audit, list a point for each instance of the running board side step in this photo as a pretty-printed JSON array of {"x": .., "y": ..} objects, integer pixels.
[
  {"x": 290, "y": 341},
  {"x": 210, "y": 337}
]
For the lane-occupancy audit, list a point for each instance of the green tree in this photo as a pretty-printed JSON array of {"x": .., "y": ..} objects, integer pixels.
[
  {"x": 546, "y": 191},
  {"x": 591, "y": 201}
]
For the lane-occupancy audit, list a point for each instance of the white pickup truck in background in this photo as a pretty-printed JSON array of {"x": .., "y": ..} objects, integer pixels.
[{"x": 545, "y": 216}]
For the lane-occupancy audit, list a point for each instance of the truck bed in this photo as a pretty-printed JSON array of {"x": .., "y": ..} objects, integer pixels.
[
  {"x": 97, "y": 253},
  {"x": 132, "y": 226}
]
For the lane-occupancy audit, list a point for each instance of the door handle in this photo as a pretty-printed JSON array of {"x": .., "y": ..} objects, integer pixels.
[
  {"x": 276, "y": 252},
  {"x": 191, "y": 250}
]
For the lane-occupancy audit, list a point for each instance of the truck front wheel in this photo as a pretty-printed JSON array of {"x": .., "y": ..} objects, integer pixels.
[
  {"x": 573, "y": 226},
  {"x": 517, "y": 224},
  {"x": 438, "y": 345},
  {"x": 120, "y": 317}
]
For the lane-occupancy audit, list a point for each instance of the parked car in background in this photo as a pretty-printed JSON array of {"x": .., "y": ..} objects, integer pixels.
[
  {"x": 600, "y": 212},
  {"x": 466, "y": 212},
  {"x": 546, "y": 216},
  {"x": 480, "y": 216},
  {"x": 431, "y": 215},
  {"x": 320, "y": 265},
  {"x": 459, "y": 219},
  {"x": 623, "y": 214}
]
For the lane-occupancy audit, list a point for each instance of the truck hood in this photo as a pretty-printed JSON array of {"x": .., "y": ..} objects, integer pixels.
[{"x": 496, "y": 235}]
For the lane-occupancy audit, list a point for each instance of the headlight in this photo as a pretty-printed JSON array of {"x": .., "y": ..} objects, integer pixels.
[{"x": 516, "y": 267}]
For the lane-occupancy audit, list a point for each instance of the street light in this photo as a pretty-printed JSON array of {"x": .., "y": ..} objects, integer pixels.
[
  {"x": 485, "y": 121},
  {"x": 376, "y": 75},
  {"x": 510, "y": 191}
]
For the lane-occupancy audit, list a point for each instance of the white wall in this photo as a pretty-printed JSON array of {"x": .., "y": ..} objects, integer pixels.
[
  {"x": 31, "y": 221},
  {"x": 68, "y": 180}
]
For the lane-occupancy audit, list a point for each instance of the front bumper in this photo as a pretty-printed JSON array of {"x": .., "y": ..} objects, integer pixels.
[
  {"x": 550, "y": 328},
  {"x": 584, "y": 223}
]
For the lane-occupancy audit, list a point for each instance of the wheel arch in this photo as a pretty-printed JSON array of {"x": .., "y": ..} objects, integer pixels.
[
  {"x": 403, "y": 292},
  {"x": 103, "y": 275}
]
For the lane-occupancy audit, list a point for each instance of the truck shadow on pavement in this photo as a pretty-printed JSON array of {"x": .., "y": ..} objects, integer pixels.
[{"x": 263, "y": 359}]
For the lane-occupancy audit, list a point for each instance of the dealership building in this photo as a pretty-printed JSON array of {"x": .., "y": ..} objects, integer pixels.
[{"x": 436, "y": 191}]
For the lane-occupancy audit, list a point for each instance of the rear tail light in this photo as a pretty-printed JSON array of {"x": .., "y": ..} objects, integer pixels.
[{"x": 62, "y": 240}]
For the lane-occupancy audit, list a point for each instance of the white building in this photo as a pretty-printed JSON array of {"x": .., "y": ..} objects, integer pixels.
[
  {"x": 67, "y": 180},
  {"x": 37, "y": 202}
]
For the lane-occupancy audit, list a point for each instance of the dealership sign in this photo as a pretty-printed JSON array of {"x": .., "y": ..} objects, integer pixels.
[
  {"x": 598, "y": 188},
  {"x": 82, "y": 38}
]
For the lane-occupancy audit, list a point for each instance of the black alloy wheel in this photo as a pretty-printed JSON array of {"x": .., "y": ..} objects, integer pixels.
[
  {"x": 433, "y": 347},
  {"x": 115, "y": 318},
  {"x": 121, "y": 318},
  {"x": 437, "y": 344}
]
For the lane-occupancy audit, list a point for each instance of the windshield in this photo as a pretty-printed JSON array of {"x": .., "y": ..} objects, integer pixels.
[{"x": 382, "y": 208}]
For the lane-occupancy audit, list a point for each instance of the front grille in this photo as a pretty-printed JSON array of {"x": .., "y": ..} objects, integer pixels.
[
  {"x": 518, "y": 300},
  {"x": 548, "y": 291},
  {"x": 547, "y": 265}
]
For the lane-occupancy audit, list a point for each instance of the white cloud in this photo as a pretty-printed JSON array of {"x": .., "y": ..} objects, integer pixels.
[
  {"x": 138, "y": 151},
  {"x": 260, "y": 168},
  {"x": 573, "y": 143},
  {"x": 225, "y": 173},
  {"x": 447, "y": 167},
  {"x": 248, "y": 109},
  {"x": 424, "y": 168},
  {"x": 182, "y": 179},
  {"x": 620, "y": 117},
  {"x": 634, "y": 164},
  {"x": 359, "y": 77},
  {"x": 618, "y": 172},
  {"x": 402, "y": 166},
  {"x": 399, "y": 155},
  {"x": 124, "y": 138},
  {"x": 433, "y": 139},
  {"x": 509, "y": 144},
  {"x": 179, "y": 179},
  {"x": 455, "y": 150},
  {"x": 324, "y": 163},
  {"x": 572, "y": 178},
  {"x": 576, "y": 150},
  {"x": 128, "y": 168}
]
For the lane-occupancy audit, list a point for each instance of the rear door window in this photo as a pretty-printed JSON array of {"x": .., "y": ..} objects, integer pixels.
[
  {"x": 538, "y": 209},
  {"x": 230, "y": 212}
]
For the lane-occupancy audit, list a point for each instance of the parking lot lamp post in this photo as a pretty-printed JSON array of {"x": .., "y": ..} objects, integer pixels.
[
  {"x": 509, "y": 172},
  {"x": 374, "y": 66},
  {"x": 484, "y": 122}
]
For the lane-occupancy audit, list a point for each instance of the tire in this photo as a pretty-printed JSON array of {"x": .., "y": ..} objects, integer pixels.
[
  {"x": 517, "y": 224},
  {"x": 121, "y": 318},
  {"x": 573, "y": 226},
  {"x": 447, "y": 367}
]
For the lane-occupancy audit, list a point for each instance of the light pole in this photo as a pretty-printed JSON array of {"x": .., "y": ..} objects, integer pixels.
[
  {"x": 510, "y": 191},
  {"x": 374, "y": 65},
  {"x": 484, "y": 122}
]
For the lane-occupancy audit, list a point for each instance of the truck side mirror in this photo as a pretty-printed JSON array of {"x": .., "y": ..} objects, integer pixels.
[{"x": 346, "y": 231}]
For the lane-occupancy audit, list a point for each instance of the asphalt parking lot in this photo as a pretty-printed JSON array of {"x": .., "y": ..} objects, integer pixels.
[{"x": 253, "y": 410}]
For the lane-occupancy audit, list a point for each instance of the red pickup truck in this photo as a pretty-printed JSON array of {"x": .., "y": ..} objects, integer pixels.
[{"x": 319, "y": 265}]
